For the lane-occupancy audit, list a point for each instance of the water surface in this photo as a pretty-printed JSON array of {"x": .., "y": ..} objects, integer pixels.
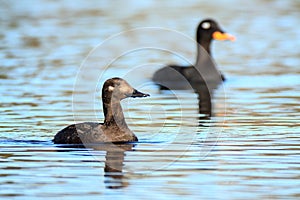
[{"x": 249, "y": 149}]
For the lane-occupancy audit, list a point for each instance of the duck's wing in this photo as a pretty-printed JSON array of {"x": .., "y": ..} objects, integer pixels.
[
  {"x": 76, "y": 133},
  {"x": 172, "y": 77}
]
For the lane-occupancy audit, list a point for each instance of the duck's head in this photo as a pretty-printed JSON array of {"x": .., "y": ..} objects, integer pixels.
[
  {"x": 118, "y": 88},
  {"x": 209, "y": 29}
]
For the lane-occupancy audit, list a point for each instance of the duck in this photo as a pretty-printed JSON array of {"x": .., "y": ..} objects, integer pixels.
[
  {"x": 114, "y": 128},
  {"x": 204, "y": 70}
]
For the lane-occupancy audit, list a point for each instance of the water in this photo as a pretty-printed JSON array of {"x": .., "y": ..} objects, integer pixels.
[{"x": 249, "y": 149}]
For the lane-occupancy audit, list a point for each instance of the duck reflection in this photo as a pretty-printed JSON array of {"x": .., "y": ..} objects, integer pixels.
[
  {"x": 114, "y": 161},
  {"x": 204, "y": 101},
  {"x": 204, "y": 95}
]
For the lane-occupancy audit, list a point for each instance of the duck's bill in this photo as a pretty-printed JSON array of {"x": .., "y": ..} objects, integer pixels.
[
  {"x": 137, "y": 93},
  {"x": 223, "y": 36}
]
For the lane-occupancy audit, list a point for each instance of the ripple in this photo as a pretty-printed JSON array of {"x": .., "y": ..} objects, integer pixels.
[{"x": 251, "y": 151}]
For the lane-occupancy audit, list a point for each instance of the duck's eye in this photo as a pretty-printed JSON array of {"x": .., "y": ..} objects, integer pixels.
[
  {"x": 206, "y": 25},
  {"x": 111, "y": 88}
]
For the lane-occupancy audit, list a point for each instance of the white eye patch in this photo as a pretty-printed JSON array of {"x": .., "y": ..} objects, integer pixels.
[
  {"x": 110, "y": 88},
  {"x": 206, "y": 25}
]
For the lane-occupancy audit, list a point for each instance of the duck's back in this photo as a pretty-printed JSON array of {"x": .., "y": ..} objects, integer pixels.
[
  {"x": 91, "y": 132},
  {"x": 176, "y": 77},
  {"x": 78, "y": 133},
  {"x": 172, "y": 77}
]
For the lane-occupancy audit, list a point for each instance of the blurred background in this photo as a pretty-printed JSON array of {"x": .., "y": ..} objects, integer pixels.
[{"x": 248, "y": 150}]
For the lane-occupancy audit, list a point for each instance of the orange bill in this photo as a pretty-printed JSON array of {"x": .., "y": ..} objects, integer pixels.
[{"x": 223, "y": 36}]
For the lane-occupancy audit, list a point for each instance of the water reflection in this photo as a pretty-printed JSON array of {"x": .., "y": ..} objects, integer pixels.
[
  {"x": 204, "y": 101},
  {"x": 257, "y": 154},
  {"x": 114, "y": 161}
]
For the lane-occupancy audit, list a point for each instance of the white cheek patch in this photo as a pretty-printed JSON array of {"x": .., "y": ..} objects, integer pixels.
[
  {"x": 206, "y": 25},
  {"x": 111, "y": 88}
]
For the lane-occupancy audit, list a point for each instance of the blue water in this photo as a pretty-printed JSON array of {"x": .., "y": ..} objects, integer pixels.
[{"x": 55, "y": 57}]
